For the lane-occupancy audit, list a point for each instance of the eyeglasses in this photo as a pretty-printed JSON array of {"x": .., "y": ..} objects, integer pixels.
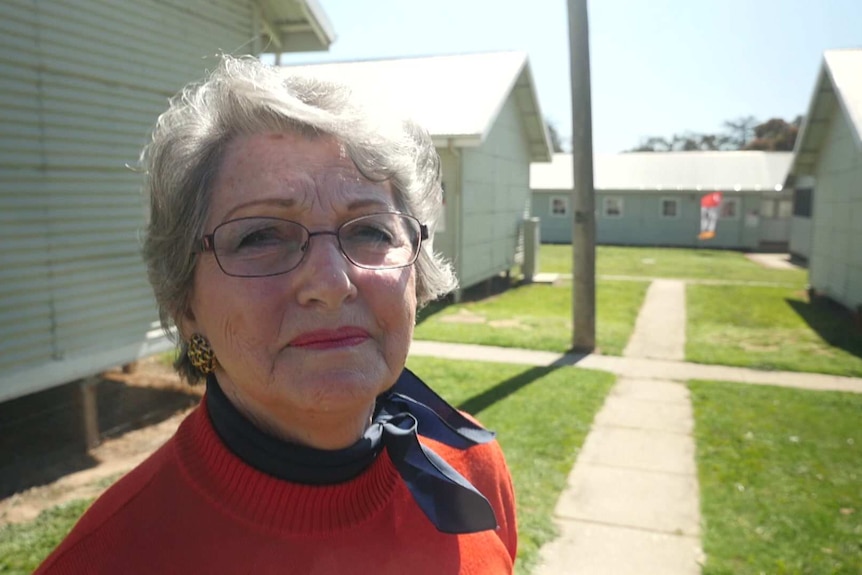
[{"x": 260, "y": 247}]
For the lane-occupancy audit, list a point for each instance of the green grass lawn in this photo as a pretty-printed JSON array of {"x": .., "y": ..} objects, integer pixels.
[
  {"x": 670, "y": 263},
  {"x": 24, "y": 546},
  {"x": 535, "y": 317},
  {"x": 770, "y": 328},
  {"x": 780, "y": 479},
  {"x": 541, "y": 415}
]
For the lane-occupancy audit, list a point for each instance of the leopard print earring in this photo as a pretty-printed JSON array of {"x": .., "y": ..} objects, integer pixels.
[{"x": 201, "y": 355}]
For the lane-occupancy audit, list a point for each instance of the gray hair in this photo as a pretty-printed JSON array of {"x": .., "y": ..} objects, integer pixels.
[{"x": 243, "y": 96}]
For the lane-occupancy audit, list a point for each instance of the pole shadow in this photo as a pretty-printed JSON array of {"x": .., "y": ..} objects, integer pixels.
[{"x": 505, "y": 388}]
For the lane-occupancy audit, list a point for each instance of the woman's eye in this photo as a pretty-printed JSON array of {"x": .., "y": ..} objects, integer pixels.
[
  {"x": 259, "y": 238},
  {"x": 371, "y": 234}
]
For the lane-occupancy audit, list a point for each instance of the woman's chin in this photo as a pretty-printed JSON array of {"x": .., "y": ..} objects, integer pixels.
[{"x": 336, "y": 389}]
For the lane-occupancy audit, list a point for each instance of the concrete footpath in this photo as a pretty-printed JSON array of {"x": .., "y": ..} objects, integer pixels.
[{"x": 631, "y": 505}]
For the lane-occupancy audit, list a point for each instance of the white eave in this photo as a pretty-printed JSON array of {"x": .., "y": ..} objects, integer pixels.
[
  {"x": 457, "y": 98},
  {"x": 294, "y": 26},
  {"x": 838, "y": 87},
  {"x": 731, "y": 171}
]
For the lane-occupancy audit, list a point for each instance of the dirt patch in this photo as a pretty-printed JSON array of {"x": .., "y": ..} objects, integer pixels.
[
  {"x": 774, "y": 261},
  {"x": 507, "y": 323},
  {"x": 44, "y": 459},
  {"x": 463, "y": 316}
]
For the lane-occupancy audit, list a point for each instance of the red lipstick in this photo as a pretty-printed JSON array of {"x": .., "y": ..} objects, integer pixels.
[{"x": 330, "y": 338}]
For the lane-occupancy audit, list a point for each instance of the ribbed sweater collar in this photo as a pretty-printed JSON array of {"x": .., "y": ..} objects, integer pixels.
[
  {"x": 333, "y": 490},
  {"x": 272, "y": 504}
]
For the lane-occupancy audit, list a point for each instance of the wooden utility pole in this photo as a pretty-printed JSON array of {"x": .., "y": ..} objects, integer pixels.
[{"x": 583, "y": 195}]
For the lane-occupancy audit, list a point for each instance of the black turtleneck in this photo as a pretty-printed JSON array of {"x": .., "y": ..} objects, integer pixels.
[{"x": 408, "y": 409}]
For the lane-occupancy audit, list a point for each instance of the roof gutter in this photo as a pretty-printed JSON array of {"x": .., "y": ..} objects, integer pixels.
[
  {"x": 452, "y": 141},
  {"x": 319, "y": 22}
]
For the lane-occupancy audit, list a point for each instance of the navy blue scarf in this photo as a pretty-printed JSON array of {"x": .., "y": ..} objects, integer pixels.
[{"x": 408, "y": 409}]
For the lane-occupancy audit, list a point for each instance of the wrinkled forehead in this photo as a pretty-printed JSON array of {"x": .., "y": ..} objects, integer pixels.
[
  {"x": 295, "y": 171},
  {"x": 335, "y": 188}
]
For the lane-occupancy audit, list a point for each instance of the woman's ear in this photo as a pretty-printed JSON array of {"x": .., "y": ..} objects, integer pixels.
[{"x": 186, "y": 324}]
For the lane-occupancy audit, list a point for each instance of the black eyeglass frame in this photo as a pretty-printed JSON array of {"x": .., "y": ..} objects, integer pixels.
[{"x": 207, "y": 242}]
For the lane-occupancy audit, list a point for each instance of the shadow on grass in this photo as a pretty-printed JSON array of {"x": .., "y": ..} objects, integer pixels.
[
  {"x": 832, "y": 322},
  {"x": 489, "y": 288},
  {"x": 432, "y": 309},
  {"x": 42, "y": 435},
  {"x": 505, "y": 388}
]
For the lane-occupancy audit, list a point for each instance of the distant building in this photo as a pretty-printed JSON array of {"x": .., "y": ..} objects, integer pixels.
[
  {"x": 827, "y": 169},
  {"x": 653, "y": 198},
  {"x": 483, "y": 114},
  {"x": 83, "y": 83}
]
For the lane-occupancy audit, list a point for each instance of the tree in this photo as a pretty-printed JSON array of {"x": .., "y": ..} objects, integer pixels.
[
  {"x": 775, "y": 135},
  {"x": 686, "y": 142},
  {"x": 654, "y": 144},
  {"x": 556, "y": 141},
  {"x": 741, "y": 134},
  {"x": 714, "y": 142},
  {"x": 741, "y": 131}
]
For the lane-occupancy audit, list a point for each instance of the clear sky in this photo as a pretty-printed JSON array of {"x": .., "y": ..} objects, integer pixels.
[{"x": 659, "y": 67}]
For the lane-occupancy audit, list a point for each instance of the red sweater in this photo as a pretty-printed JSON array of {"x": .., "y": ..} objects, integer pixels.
[{"x": 194, "y": 507}]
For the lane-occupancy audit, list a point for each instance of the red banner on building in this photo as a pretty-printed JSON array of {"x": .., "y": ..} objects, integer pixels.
[{"x": 709, "y": 210}]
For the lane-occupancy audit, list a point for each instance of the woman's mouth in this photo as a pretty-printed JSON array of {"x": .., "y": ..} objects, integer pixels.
[{"x": 330, "y": 338}]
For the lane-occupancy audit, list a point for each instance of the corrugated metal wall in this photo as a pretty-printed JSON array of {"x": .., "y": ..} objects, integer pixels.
[{"x": 81, "y": 83}]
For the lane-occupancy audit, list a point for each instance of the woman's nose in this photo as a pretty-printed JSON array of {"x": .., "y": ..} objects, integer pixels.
[{"x": 325, "y": 274}]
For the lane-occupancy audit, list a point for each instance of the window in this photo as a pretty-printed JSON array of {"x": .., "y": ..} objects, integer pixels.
[
  {"x": 669, "y": 208},
  {"x": 802, "y": 206},
  {"x": 781, "y": 209},
  {"x": 559, "y": 206},
  {"x": 613, "y": 207},
  {"x": 729, "y": 209}
]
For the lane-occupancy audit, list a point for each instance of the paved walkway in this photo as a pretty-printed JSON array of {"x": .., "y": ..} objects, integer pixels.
[
  {"x": 632, "y": 502},
  {"x": 663, "y": 309},
  {"x": 631, "y": 505},
  {"x": 638, "y": 368}
]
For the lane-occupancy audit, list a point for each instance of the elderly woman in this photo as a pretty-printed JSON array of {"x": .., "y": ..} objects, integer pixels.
[{"x": 290, "y": 246}]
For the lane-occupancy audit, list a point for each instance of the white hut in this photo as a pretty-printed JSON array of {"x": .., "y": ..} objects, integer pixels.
[
  {"x": 82, "y": 84},
  {"x": 483, "y": 113},
  {"x": 827, "y": 167},
  {"x": 653, "y": 198}
]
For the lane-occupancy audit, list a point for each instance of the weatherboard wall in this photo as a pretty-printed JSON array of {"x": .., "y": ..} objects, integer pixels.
[
  {"x": 800, "y": 225},
  {"x": 554, "y": 228},
  {"x": 642, "y": 223},
  {"x": 82, "y": 84},
  {"x": 446, "y": 236},
  {"x": 800, "y": 238},
  {"x": 495, "y": 196},
  {"x": 835, "y": 265}
]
